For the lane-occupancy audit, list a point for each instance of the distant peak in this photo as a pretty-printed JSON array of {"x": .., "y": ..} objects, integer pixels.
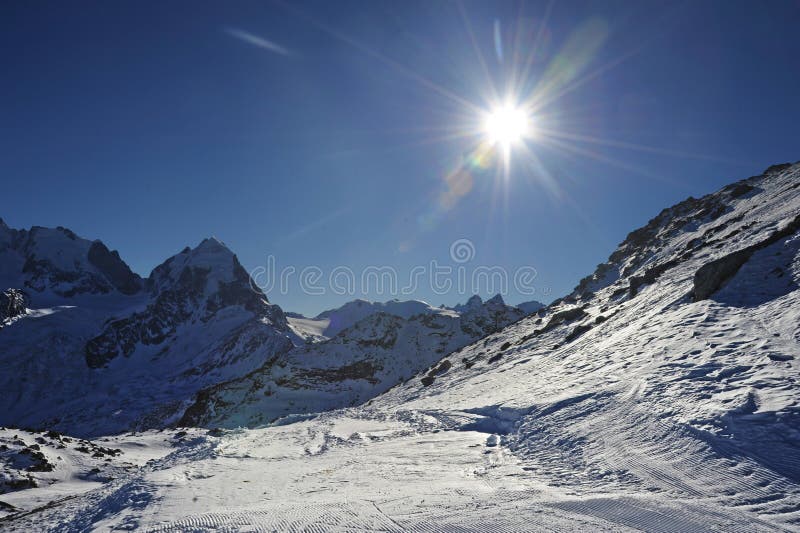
[
  {"x": 474, "y": 300},
  {"x": 212, "y": 244},
  {"x": 210, "y": 249},
  {"x": 496, "y": 299}
]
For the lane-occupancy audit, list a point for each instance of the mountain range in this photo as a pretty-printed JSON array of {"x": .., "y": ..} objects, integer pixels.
[
  {"x": 661, "y": 394},
  {"x": 91, "y": 348}
]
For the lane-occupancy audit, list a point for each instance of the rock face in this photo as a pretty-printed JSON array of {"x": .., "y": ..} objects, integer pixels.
[
  {"x": 114, "y": 268},
  {"x": 712, "y": 276},
  {"x": 13, "y": 303}
]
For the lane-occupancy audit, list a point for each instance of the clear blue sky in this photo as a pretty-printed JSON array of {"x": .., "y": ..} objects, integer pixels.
[{"x": 318, "y": 132}]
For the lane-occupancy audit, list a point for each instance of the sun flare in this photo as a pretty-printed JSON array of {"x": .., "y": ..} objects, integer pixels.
[{"x": 507, "y": 125}]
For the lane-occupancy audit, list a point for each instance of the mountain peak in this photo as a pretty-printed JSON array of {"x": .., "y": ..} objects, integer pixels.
[
  {"x": 212, "y": 244},
  {"x": 57, "y": 262},
  {"x": 496, "y": 299},
  {"x": 474, "y": 302},
  {"x": 211, "y": 257}
]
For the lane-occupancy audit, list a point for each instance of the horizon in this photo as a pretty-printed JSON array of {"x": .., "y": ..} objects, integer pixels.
[{"x": 324, "y": 136}]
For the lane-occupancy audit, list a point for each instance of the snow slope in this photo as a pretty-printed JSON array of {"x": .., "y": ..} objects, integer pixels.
[{"x": 661, "y": 395}]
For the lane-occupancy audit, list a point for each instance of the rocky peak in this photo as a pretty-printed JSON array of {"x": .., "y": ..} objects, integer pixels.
[
  {"x": 496, "y": 300},
  {"x": 210, "y": 256},
  {"x": 57, "y": 261},
  {"x": 192, "y": 286},
  {"x": 474, "y": 302}
]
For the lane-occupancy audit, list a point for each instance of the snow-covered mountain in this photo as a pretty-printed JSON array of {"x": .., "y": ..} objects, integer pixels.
[
  {"x": 531, "y": 306},
  {"x": 328, "y": 323},
  {"x": 114, "y": 352},
  {"x": 378, "y": 351},
  {"x": 54, "y": 263},
  {"x": 90, "y": 348},
  {"x": 660, "y": 395}
]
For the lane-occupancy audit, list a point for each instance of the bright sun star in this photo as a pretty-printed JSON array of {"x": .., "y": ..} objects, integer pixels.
[{"x": 506, "y": 125}]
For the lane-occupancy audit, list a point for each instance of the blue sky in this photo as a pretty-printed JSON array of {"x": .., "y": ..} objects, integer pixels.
[{"x": 323, "y": 133}]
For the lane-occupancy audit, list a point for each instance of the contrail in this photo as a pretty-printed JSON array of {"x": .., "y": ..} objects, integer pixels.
[{"x": 257, "y": 41}]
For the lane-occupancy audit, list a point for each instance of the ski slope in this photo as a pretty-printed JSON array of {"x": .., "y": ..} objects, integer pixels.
[{"x": 639, "y": 402}]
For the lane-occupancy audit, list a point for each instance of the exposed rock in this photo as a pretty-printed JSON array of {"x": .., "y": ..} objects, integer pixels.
[
  {"x": 712, "y": 276},
  {"x": 114, "y": 268},
  {"x": 568, "y": 315},
  {"x": 577, "y": 332},
  {"x": 740, "y": 189},
  {"x": 777, "y": 168},
  {"x": 13, "y": 303}
]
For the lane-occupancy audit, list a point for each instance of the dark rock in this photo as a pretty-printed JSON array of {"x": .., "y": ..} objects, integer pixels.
[
  {"x": 114, "y": 268},
  {"x": 495, "y": 358},
  {"x": 13, "y": 303},
  {"x": 740, "y": 189},
  {"x": 577, "y": 332},
  {"x": 568, "y": 315},
  {"x": 777, "y": 168},
  {"x": 443, "y": 367},
  {"x": 650, "y": 275},
  {"x": 710, "y": 277}
]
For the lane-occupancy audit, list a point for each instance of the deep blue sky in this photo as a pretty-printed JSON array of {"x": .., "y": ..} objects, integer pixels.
[{"x": 151, "y": 125}]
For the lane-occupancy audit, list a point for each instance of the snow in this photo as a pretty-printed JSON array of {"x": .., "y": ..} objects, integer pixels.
[
  {"x": 347, "y": 315},
  {"x": 49, "y": 384},
  {"x": 211, "y": 254},
  {"x": 360, "y": 362},
  {"x": 666, "y": 414},
  {"x": 309, "y": 329}
]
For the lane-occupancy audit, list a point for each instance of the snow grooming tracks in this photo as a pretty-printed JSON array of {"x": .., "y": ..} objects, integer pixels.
[{"x": 301, "y": 517}]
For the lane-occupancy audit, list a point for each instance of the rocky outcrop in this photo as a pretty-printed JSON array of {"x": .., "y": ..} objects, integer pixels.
[
  {"x": 13, "y": 303},
  {"x": 712, "y": 276}
]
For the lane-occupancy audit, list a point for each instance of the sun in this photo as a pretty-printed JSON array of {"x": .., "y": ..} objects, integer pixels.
[{"x": 507, "y": 125}]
